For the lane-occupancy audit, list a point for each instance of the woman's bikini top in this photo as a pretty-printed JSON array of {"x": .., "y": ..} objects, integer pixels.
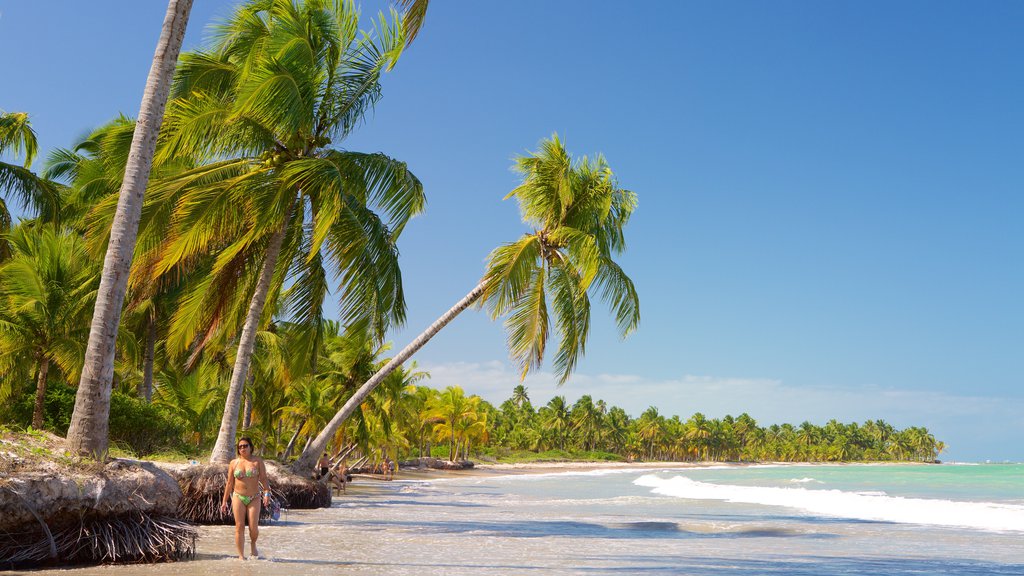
[{"x": 248, "y": 473}]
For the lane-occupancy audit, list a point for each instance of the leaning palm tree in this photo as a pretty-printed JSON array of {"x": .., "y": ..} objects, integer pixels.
[
  {"x": 283, "y": 82},
  {"x": 578, "y": 213},
  {"x": 90, "y": 421},
  {"x": 94, "y": 169}
]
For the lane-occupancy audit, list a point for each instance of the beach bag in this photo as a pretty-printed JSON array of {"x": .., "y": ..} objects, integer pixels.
[{"x": 275, "y": 509}]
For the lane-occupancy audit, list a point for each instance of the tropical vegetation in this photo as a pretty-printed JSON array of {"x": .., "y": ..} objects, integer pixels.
[{"x": 253, "y": 213}]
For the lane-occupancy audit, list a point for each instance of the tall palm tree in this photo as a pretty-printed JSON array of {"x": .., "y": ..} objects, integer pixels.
[
  {"x": 283, "y": 82},
  {"x": 94, "y": 169},
  {"x": 46, "y": 290},
  {"x": 90, "y": 421},
  {"x": 578, "y": 213}
]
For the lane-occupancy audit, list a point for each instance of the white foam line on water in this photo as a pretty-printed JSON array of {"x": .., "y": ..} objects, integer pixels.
[
  {"x": 854, "y": 505},
  {"x": 532, "y": 476}
]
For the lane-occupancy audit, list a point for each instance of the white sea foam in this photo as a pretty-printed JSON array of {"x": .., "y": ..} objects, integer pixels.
[
  {"x": 855, "y": 505},
  {"x": 805, "y": 481}
]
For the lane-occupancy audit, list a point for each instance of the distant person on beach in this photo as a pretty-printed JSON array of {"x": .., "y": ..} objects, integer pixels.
[
  {"x": 246, "y": 489},
  {"x": 325, "y": 465},
  {"x": 340, "y": 477}
]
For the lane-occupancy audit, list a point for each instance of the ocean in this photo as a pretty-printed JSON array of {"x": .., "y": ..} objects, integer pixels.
[{"x": 715, "y": 520}]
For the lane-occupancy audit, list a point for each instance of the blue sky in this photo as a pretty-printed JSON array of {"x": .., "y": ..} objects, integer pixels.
[{"x": 830, "y": 206}]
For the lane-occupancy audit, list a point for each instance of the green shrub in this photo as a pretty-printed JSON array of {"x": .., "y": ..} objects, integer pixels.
[
  {"x": 141, "y": 427},
  {"x": 135, "y": 426},
  {"x": 58, "y": 404}
]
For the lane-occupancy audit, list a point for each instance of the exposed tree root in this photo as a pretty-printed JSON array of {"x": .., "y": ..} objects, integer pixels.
[
  {"x": 125, "y": 539},
  {"x": 202, "y": 491}
]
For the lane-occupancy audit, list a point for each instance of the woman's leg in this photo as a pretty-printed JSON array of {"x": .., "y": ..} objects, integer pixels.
[
  {"x": 239, "y": 510},
  {"x": 254, "y": 523}
]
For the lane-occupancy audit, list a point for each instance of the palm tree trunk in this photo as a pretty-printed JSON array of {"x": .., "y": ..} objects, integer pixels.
[
  {"x": 146, "y": 386},
  {"x": 37, "y": 413},
  {"x": 222, "y": 449},
  {"x": 247, "y": 408},
  {"x": 304, "y": 465},
  {"x": 90, "y": 421},
  {"x": 291, "y": 443}
]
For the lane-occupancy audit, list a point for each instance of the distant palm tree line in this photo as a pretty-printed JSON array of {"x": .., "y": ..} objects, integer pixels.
[{"x": 591, "y": 426}]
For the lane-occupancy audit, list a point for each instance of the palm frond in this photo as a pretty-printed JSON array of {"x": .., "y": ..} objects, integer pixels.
[
  {"x": 17, "y": 136},
  {"x": 509, "y": 273},
  {"x": 572, "y": 318},
  {"x": 618, "y": 291},
  {"x": 528, "y": 325}
]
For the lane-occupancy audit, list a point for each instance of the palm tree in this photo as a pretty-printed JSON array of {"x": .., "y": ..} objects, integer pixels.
[
  {"x": 282, "y": 83},
  {"x": 88, "y": 433},
  {"x": 698, "y": 432},
  {"x": 520, "y": 396},
  {"x": 455, "y": 411},
  {"x": 650, "y": 430},
  {"x": 578, "y": 213},
  {"x": 94, "y": 168},
  {"x": 195, "y": 398},
  {"x": 586, "y": 422},
  {"x": 425, "y": 417},
  {"x": 555, "y": 419},
  {"x": 18, "y": 139},
  {"x": 616, "y": 428},
  {"x": 46, "y": 288}
]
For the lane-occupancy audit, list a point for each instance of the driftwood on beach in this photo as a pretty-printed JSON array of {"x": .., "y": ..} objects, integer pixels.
[
  {"x": 436, "y": 464},
  {"x": 57, "y": 509}
]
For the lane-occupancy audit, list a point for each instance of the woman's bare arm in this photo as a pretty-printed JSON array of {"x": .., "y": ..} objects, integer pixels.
[
  {"x": 229, "y": 486},
  {"x": 264, "y": 482}
]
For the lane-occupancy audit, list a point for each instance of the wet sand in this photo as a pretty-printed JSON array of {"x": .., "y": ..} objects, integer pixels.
[{"x": 299, "y": 543}]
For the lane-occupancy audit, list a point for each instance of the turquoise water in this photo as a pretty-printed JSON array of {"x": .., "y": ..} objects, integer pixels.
[
  {"x": 713, "y": 521},
  {"x": 970, "y": 482},
  {"x": 800, "y": 520}
]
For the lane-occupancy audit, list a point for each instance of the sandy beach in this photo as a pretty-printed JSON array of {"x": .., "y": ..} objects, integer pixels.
[{"x": 655, "y": 518}]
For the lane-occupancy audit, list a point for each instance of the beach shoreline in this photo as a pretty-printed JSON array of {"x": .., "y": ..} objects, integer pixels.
[
  {"x": 577, "y": 466},
  {"x": 490, "y": 520}
]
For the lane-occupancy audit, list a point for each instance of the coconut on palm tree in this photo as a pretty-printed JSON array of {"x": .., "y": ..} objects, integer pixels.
[{"x": 578, "y": 213}]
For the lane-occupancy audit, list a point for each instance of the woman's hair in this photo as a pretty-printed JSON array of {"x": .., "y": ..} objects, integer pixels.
[{"x": 252, "y": 447}]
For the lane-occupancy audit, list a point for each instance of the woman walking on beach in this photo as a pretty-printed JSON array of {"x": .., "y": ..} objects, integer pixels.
[{"x": 246, "y": 489}]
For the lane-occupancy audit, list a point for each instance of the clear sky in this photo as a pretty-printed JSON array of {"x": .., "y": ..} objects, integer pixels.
[{"x": 830, "y": 218}]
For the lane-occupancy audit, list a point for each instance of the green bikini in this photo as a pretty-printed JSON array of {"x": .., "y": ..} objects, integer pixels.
[{"x": 248, "y": 474}]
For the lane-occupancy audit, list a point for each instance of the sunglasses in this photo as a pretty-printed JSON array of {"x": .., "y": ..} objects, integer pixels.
[{"x": 240, "y": 446}]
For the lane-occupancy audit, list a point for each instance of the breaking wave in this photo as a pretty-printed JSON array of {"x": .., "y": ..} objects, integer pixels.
[{"x": 855, "y": 505}]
